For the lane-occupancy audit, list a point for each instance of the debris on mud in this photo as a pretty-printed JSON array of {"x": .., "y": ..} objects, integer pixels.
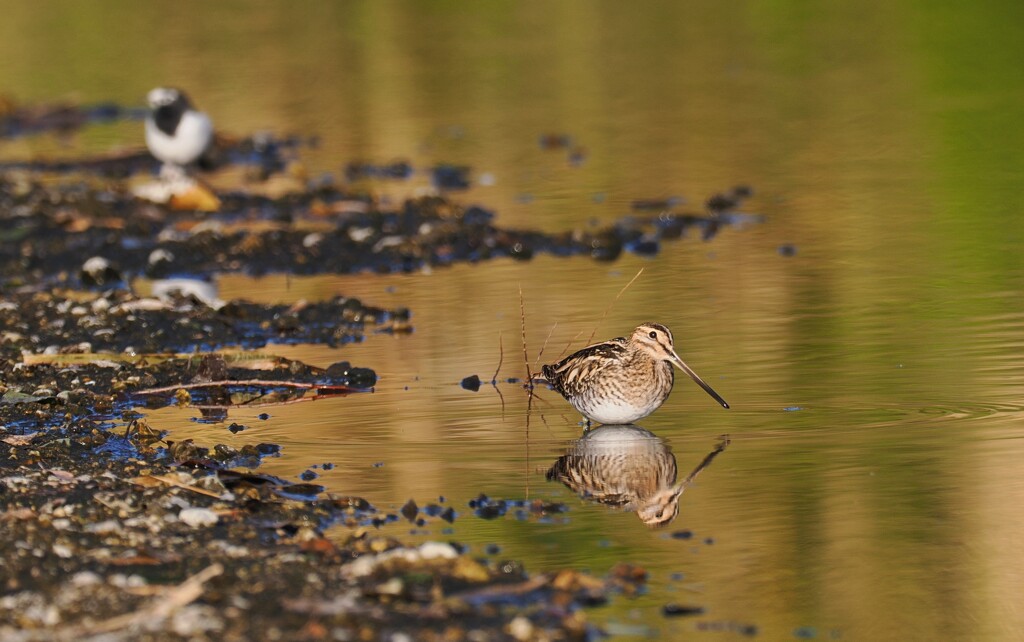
[
  {"x": 57, "y": 214},
  {"x": 486, "y": 507},
  {"x": 51, "y": 230},
  {"x": 115, "y": 530},
  {"x": 118, "y": 531},
  {"x": 119, "y": 321}
]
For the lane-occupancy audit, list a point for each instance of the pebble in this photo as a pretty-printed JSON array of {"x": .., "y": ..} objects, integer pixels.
[
  {"x": 106, "y": 527},
  {"x": 85, "y": 578},
  {"x": 198, "y": 517},
  {"x": 671, "y": 610},
  {"x": 520, "y": 628}
]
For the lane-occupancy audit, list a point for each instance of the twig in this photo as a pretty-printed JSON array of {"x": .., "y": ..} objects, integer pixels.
[
  {"x": 546, "y": 339},
  {"x": 612, "y": 304},
  {"x": 526, "y": 356},
  {"x": 265, "y": 383},
  {"x": 170, "y": 481},
  {"x": 152, "y": 614},
  {"x": 569, "y": 345}
]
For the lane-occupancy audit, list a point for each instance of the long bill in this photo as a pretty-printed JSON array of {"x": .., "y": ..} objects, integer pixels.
[{"x": 700, "y": 382}]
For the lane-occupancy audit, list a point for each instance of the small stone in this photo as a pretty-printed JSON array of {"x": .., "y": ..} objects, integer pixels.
[
  {"x": 106, "y": 527},
  {"x": 268, "y": 449},
  {"x": 471, "y": 383},
  {"x": 410, "y": 510},
  {"x": 98, "y": 271},
  {"x": 62, "y": 550},
  {"x": 198, "y": 517},
  {"x": 85, "y": 578},
  {"x": 437, "y": 550},
  {"x": 520, "y": 628},
  {"x": 676, "y": 610}
]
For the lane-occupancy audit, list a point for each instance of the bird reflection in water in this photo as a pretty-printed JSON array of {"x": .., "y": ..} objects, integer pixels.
[{"x": 628, "y": 467}]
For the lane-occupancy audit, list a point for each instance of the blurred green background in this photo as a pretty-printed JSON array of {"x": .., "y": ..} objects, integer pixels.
[{"x": 884, "y": 141}]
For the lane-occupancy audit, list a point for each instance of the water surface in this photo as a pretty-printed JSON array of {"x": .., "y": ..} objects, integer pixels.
[{"x": 872, "y": 485}]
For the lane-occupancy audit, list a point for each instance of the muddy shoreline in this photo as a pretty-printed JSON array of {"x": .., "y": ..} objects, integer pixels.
[{"x": 115, "y": 531}]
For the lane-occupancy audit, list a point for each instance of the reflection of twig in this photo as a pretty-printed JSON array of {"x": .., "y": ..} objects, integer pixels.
[
  {"x": 501, "y": 358},
  {"x": 529, "y": 406},
  {"x": 286, "y": 402},
  {"x": 263, "y": 383},
  {"x": 153, "y": 613},
  {"x": 494, "y": 379},
  {"x": 722, "y": 445},
  {"x": 529, "y": 386},
  {"x": 612, "y": 304}
]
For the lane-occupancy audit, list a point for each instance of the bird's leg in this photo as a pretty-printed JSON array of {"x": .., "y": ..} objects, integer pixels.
[{"x": 171, "y": 173}]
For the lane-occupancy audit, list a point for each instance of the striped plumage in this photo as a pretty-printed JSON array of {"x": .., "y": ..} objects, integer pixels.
[
  {"x": 623, "y": 466},
  {"x": 621, "y": 380},
  {"x": 630, "y": 468}
]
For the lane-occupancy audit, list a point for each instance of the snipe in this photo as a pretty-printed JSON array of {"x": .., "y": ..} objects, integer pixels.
[
  {"x": 630, "y": 468},
  {"x": 627, "y": 467},
  {"x": 622, "y": 380}
]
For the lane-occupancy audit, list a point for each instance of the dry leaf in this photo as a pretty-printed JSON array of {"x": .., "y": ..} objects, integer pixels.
[
  {"x": 198, "y": 197},
  {"x": 150, "y": 481},
  {"x": 19, "y": 440}
]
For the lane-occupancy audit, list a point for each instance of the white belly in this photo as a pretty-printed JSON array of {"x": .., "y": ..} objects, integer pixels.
[
  {"x": 616, "y": 411},
  {"x": 193, "y": 136}
]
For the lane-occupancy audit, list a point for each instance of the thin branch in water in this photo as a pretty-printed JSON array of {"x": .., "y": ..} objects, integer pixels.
[
  {"x": 569, "y": 345},
  {"x": 546, "y": 339},
  {"x": 526, "y": 356},
  {"x": 612, "y": 304},
  {"x": 262, "y": 383},
  {"x": 494, "y": 379}
]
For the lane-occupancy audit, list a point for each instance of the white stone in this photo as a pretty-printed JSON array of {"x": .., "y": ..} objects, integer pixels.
[{"x": 198, "y": 517}]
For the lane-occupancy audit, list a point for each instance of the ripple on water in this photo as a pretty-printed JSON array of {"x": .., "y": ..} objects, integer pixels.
[{"x": 973, "y": 410}]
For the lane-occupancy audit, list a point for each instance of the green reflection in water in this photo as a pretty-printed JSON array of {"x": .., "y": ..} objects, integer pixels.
[{"x": 885, "y": 143}]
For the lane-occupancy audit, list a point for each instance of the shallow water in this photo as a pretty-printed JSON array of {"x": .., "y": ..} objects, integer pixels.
[{"x": 872, "y": 484}]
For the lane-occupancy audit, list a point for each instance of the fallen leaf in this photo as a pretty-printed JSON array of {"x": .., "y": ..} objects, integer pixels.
[
  {"x": 149, "y": 481},
  {"x": 198, "y": 197},
  {"x": 19, "y": 440}
]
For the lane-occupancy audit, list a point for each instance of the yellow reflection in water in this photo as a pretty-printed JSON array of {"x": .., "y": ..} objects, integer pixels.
[{"x": 884, "y": 142}]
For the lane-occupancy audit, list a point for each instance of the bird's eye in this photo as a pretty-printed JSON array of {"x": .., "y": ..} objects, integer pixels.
[{"x": 653, "y": 334}]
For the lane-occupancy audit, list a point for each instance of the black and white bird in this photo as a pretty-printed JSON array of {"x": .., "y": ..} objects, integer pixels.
[{"x": 177, "y": 134}]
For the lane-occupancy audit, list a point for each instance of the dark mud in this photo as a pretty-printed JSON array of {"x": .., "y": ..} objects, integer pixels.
[
  {"x": 113, "y": 530},
  {"x": 57, "y": 214},
  {"x": 119, "y": 321},
  {"x": 105, "y": 521},
  {"x": 50, "y": 231}
]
